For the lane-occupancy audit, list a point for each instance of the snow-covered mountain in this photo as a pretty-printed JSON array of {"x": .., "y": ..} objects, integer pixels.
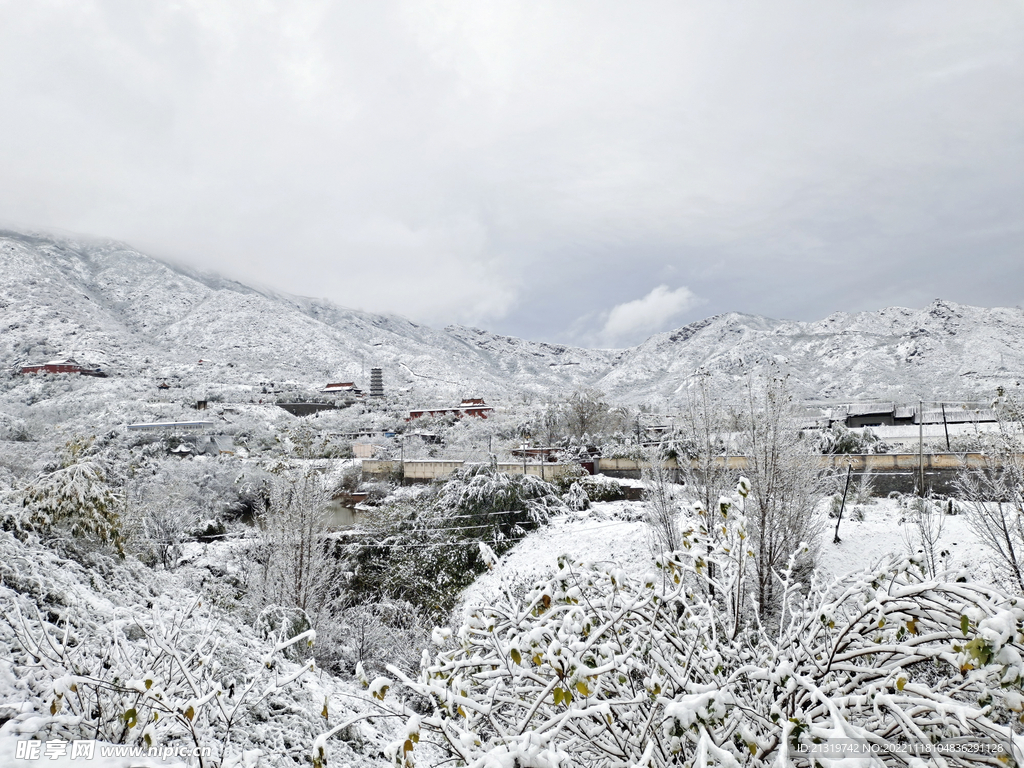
[
  {"x": 945, "y": 350},
  {"x": 136, "y": 316},
  {"x": 106, "y": 303}
]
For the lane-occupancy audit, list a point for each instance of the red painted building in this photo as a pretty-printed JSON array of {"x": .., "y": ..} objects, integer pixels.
[
  {"x": 69, "y": 365},
  {"x": 474, "y": 406}
]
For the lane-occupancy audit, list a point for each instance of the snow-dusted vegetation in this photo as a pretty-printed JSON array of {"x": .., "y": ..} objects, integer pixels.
[
  {"x": 243, "y": 588},
  {"x": 596, "y": 667}
]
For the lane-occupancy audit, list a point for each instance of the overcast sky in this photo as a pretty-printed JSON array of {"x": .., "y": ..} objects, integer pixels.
[{"x": 586, "y": 172}]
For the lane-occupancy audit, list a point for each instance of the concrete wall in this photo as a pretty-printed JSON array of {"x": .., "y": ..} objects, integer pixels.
[
  {"x": 429, "y": 470},
  {"x": 887, "y": 472},
  {"x": 544, "y": 470},
  {"x": 380, "y": 467},
  {"x": 425, "y": 471}
]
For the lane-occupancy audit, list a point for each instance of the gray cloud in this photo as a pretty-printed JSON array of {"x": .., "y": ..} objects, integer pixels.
[{"x": 523, "y": 165}]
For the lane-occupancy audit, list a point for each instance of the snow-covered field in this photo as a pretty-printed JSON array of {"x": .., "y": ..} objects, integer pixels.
[{"x": 613, "y": 532}]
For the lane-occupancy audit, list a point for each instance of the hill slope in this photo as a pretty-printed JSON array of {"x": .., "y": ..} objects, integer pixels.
[{"x": 107, "y": 303}]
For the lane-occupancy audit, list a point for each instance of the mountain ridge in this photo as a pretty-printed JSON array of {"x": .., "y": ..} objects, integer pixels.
[{"x": 144, "y": 317}]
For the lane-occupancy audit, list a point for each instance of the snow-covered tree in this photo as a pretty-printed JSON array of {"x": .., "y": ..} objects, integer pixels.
[
  {"x": 993, "y": 497},
  {"x": 293, "y": 564},
  {"x": 427, "y": 551},
  {"x": 662, "y": 505},
  {"x": 921, "y": 527},
  {"x": 788, "y": 482}
]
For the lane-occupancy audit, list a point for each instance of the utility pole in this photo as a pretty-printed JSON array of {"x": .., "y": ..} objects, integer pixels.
[
  {"x": 945, "y": 426},
  {"x": 920, "y": 445},
  {"x": 842, "y": 506}
]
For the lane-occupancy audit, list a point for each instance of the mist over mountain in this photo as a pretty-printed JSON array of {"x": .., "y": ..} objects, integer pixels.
[{"x": 144, "y": 319}]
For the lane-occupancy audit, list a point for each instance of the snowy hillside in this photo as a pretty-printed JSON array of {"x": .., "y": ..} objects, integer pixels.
[
  {"x": 945, "y": 350},
  {"x": 105, "y": 303},
  {"x": 136, "y": 316}
]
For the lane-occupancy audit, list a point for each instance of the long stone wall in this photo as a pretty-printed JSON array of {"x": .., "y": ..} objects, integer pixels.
[
  {"x": 859, "y": 462},
  {"x": 887, "y": 472}
]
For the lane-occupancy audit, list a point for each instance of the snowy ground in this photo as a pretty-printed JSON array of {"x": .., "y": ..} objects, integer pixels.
[
  {"x": 614, "y": 531},
  {"x": 881, "y": 534},
  {"x": 610, "y": 531}
]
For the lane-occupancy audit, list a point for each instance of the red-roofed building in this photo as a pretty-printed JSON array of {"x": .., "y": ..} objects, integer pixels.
[
  {"x": 68, "y": 365},
  {"x": 473, "y": 406}
]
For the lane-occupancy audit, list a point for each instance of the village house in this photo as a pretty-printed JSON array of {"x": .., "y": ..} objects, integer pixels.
[
  {"x": 342, "y": 388},
  {"x": 472, "y": 406},
  {"x": 67, "y": 365}
]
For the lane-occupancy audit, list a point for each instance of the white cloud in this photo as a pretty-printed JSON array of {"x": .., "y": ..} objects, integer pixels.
[{"x": 632, "y": 320}]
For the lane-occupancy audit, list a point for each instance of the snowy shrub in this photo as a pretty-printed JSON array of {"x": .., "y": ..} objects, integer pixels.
[
  {"x": 993, "y": 504},
  {"x": 838, "y": 439},
  {"x": 374, "y": 635},
  {"x": 161, "y": 521},
  {"x": 921, "y": 528},
  {"x": 594, "y": 668},
  {"x": 662, "y": 506},
  {"x": 576, "y": 499},
  {"x": 623, "y": 450},
  {"x": 597, "y": 487},
  {"x": 278, "y": 623},
  {"x": 863, "y": 491},
  {"x": 376, "y": 491},
  {"x": 566, "y": 475},
  {"x": 76, "y": 497},
  {"x": 158, "y": 681},
  {"x": 601, "y": 488},
  {"x": 171, "y": 501},
  {"x": 14, "y": 429}
]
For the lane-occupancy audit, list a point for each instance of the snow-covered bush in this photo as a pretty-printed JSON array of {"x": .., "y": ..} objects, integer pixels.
[
  {"x": 597, "y": 487},
  {"x": 374, "y": 635},
  {"x": 76, "y": 497},
  {"x": 841, "y": 440},
  {"x": 157, "y": 681},
  {"x": 14, "y": 429},
  {"x": 661, "y": 502},
  {"x": 595, "y": 668},
  {"x": 623, "y": 450},
  {"x": 566, "y": 475},
  {"x": 601, "y": 488},
  {"x": 78, "y": 645},
  {"x": 577, "y": 499},
  {"x": 922, "y": 524}
]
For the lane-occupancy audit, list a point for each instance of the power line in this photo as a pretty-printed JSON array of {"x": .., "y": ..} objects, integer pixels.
[{"x": 475, "y": 542}]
